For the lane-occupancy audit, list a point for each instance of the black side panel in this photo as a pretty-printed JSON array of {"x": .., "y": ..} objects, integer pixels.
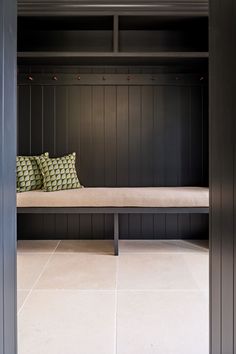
[
  {"x": 222, "y": 174},
  {"x": 8, "y": 309}
]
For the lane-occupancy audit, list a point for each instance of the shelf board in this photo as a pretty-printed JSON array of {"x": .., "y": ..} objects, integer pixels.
[
  {"x": 111, "y": 58},
  {"x": 163, "y": 55}
]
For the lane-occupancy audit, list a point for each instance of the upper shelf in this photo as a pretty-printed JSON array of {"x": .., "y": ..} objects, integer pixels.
[{"x": 118, "y": 38}]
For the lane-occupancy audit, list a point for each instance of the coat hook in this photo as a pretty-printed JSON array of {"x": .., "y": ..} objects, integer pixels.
[
  {"x": 78, "y": 77},
  {"x": 104, "y": 78},
  {"x": 128, "y": 78},
  {"x": 30, "y": 78},
  {"x": 55, "y": 78},
  {"x": 201, "y": 78}
]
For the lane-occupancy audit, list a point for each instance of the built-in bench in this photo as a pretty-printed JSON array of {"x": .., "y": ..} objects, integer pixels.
[{"x": 116, "y": 201}]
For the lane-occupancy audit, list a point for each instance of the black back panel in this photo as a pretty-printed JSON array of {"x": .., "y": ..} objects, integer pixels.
[{"x": 132, "y": 130}]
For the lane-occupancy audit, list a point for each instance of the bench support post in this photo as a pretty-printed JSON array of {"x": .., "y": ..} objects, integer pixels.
[{"x": 116, "y": 234}]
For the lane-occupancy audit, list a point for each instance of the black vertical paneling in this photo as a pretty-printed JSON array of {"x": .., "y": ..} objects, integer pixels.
[
  {"x": 86, "y": 227},
  {"x": 98, "y": 135},
  {"x": 73, "y": 145},
  {"x": 147, "y": 226},
  {"x": 205, "y": 140},
  {"x": 171, "y": 226},
  {"x": 49, "y": 225},
  {"x": 73, "y": 226},
  {"x": 222, "y": 175},
  {"x": 160, "y": 226},
  {"x": 48, "y": 142},
  {"x": 98, "y": 226},
  {"x": 61, "y": 123},
  {"x": 124, "y": 135},
  {"x": 36, "y": 141},
  {"x": 134, "y": 151},
  {"x": 85, "y": 126},
  {"x": 8, "y": 133},
  {"x": 61, "y": 120},
  {"x": 196, "y": 122},
  {"x": 24, "y": 120},
  {"x": 184, "y": 225},
  {"x": 134, "y": 134},
  {"x": 147, "y": 152},
  {"x": 36, "y": 127},
  {"x": 159, "y": 131},
  {"x": 147, "y": 136},
  {"x": 110, "y": 136},
  {"x": 171, "y": 136}
]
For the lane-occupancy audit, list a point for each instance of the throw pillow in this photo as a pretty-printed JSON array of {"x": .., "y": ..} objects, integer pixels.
[{"x": 59, "y": 173}]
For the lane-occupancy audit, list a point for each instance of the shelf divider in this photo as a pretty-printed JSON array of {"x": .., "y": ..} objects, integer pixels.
[{"x": 115, "y": 34}]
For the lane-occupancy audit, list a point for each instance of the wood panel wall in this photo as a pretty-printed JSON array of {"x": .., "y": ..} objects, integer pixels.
[{"x": 124, "y": 135}]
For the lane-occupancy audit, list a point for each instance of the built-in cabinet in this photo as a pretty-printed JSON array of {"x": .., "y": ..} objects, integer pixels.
[{"x": 127, "y": 93}]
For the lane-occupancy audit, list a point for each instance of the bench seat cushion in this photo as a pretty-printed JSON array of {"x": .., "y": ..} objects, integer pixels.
[{"x": 117, "y": 197}]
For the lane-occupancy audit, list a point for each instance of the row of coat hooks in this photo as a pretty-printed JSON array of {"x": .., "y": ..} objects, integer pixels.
[{"x": 104, "y": 78}]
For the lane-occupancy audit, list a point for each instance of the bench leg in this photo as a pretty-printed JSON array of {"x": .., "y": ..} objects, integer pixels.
[{"x": 116, "y": 234}]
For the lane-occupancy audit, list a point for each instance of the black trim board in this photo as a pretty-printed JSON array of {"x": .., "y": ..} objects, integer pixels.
[
  {"x": 108, "y": 79},
  {"x": 113, "y": 210}
]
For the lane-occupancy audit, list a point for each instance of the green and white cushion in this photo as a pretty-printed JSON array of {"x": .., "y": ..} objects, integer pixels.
[
  {"x": 28, "y": 173},
  {"x": 59, "y": 173}
]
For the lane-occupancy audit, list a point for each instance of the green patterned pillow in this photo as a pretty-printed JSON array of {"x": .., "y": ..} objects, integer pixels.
[
  {"x": 59, "y": 173},
  {"x": 29, "y": 176}
]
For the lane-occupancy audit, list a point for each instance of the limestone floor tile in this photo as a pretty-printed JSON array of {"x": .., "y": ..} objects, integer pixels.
[
  {"x": 162, "y": 323},
  {"x": 38, "y": 246},
  {"x": 148, "y": 246},
  {"x": 86, "y": 246},
  {"x": 195, "y": 246},
  {"x": 79, "y": 271},
  {"x": 198, "y": 265},
  {"x": 154, "y": 271},
  {"x": 29, "y": 267},
  {"x": 162, "y": 246},
  {"x": 73, "y": 322},
  {"x": 21, "y": 296}
]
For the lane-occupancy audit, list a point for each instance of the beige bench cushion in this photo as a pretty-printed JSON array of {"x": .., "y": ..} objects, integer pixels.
[{"x": 117, "y": 197}]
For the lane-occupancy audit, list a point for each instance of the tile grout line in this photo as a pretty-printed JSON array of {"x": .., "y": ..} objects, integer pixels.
[
  {"x": 124, "y": 253},
  {"x": 116, "y": 304},
  {"x": 160, "y": 253},
  {"x": 120, "y": 290},
  {"x": 39, "y": 276},
  {"x": 41, "y": 252}
]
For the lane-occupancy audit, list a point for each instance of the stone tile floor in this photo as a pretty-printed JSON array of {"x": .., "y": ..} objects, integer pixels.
[{"x": 76, "y": 297}]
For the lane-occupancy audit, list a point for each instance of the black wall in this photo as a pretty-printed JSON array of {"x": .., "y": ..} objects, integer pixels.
[{"x": 129, "y": 127}]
